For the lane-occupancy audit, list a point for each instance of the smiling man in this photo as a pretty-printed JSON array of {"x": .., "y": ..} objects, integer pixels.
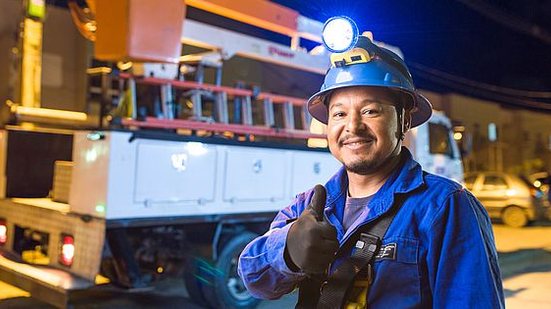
[
  {"x": 381, "y": 232},
  {"x": 362, "y": 130}
]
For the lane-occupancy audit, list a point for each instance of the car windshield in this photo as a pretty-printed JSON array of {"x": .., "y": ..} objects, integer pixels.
[
  {"x": 494, "y": 182},
  {"x": 469, "y": 181},
  {"x": 440, "y": 140}
]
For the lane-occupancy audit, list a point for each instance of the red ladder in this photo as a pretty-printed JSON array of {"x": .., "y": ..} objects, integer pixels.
[{"x": 221, "y": 94}]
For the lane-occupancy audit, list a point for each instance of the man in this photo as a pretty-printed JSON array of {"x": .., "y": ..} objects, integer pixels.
[{"x": 438, "y": 250}]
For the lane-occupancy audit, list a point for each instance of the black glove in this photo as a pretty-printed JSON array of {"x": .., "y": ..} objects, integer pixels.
[{"x": 312, "y": 242}]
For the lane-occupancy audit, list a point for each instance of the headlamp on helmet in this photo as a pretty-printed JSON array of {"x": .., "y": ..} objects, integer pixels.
[
  {"x": 339, "y": 34},
  {"x": 356, "y": 61}
]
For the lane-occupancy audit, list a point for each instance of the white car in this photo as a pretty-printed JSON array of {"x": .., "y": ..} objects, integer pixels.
[{"x": 507, "y": 197}]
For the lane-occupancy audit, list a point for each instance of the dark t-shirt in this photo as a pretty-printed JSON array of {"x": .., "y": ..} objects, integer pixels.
[{"x": 353, "y": 208}]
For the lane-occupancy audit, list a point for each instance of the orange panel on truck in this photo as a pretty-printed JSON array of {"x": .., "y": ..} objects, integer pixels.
[
  {"x": 259, "y": 13},
  {"x": 139, "y": 30}
]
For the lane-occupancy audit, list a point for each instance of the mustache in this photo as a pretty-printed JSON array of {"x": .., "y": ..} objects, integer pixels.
[{"x": 348, "y": 137}]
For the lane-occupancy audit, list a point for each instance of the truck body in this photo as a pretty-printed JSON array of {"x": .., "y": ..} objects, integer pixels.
[
  {"x": 433, "y": 146},
  {"x": 159, "y": 194},
  {"x": 146, "y": 204}
]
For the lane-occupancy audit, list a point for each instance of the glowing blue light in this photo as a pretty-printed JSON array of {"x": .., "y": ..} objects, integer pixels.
[
  {"x": 339, "y": 34},
  {"x": 95, "y": 136}
]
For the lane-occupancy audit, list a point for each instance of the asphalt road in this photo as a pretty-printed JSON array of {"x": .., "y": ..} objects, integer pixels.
[{"x": 524, "y": 254}]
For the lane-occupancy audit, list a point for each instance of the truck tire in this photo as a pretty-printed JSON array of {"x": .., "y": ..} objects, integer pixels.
[
  {"x": 225, "y": 289},
  {"x": 514, "y": 216}
]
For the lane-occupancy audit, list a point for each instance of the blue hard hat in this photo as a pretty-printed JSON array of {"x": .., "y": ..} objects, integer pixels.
[{"x": 367, "y": 64}]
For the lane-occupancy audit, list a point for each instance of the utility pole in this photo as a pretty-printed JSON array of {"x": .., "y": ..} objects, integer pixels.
[{"x": 30, "y": 48}]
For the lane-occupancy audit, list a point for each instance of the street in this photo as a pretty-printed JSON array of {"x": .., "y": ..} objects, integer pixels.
[{"x": 525, "y": 259}]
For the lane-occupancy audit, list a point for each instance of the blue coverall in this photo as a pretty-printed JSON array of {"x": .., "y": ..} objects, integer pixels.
[{"x": 445, "y": 255}]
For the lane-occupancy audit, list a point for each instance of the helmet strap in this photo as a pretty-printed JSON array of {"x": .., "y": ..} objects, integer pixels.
[{"x": 402, "y": 125}]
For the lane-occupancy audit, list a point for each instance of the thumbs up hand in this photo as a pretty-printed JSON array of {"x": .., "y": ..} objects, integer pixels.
[{"x": 312, "y": 242}]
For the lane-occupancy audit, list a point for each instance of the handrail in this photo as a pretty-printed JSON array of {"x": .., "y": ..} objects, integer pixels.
[
  {"x": 187, "y": 85},
  {"x": 276, "y": 98},
  {"x": 152, "y": 122}
]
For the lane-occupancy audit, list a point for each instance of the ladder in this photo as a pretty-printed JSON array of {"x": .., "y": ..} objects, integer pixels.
[{"x": 197, "y": 91}]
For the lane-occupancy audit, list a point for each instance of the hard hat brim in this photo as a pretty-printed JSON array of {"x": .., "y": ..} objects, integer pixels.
[{"x": 420, "y": 113}]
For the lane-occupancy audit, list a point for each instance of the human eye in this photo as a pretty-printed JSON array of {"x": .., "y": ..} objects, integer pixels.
[
  {"x": 338, "y": 114},
  {"x": 370, "y": 111}
]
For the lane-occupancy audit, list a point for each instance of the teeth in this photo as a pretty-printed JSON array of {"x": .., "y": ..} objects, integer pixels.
[{"x": 356, "y": 143}]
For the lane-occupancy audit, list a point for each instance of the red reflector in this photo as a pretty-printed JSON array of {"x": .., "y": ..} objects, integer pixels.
[
  {"x": 67, "y": 252},
  {"x": 3, "y": 232}
]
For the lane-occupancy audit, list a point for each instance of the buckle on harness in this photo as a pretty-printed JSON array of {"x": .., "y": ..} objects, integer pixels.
[
  {"x": 366, "y": 247},
  {"x": 366, "y": 238}
]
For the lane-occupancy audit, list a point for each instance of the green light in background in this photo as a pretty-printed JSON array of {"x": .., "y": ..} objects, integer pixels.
[
  {"x": 100, "y": 208},
  {"x": 36, "y": 9}
]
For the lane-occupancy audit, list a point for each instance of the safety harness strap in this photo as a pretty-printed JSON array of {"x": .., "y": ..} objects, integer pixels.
[
  {"x": 309, "y": 292},
  {"x": 334, "y": 289}
]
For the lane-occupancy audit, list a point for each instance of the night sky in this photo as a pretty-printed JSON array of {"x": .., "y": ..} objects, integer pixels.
[{"x": 450, "y": 46}]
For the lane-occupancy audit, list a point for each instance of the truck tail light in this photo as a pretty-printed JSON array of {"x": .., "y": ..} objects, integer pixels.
[
  {"x": 67, "y": 253},
  {"x": 3, "y": 232}
]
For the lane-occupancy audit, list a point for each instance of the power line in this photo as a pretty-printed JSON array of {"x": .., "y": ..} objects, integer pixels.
[
  {"x": 482, "y": 93},
  {"x": 508, "y": 20},
  {"x": 487, "y": 87}
]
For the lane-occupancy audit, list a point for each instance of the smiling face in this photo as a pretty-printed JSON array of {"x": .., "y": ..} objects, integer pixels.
[{"x": 363, "y": 129}]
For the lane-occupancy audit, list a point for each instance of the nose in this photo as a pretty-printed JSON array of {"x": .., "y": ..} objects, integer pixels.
[{"x": 354, "y": 122}]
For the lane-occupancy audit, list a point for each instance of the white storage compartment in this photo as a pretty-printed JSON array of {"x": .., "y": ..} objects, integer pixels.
[
  {"x": 255, "y": 174},
  {"x": 175, "y": 172}
]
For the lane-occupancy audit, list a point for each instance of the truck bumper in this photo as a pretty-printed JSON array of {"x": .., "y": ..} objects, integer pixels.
[{"x": 47, "y": 284}]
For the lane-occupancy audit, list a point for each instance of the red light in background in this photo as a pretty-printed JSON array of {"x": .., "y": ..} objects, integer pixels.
[
  {"x": 67, "y": 253},
  {"x": 3, "y": 232}
]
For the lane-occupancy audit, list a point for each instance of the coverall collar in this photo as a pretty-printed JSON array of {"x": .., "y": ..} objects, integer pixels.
[{"x": 407, "y": 177}]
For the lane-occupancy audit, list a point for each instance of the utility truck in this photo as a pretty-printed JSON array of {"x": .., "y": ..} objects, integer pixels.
[{"x": 183, "y": 166}]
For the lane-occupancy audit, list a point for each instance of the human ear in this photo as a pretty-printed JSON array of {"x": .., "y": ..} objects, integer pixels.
[{"x": 406, "y": 123}]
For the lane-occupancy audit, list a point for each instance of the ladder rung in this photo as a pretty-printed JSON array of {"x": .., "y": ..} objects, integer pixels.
[
  {"x": 289, "y": 116},
  {"x": 306, "y": 117},
  {"x": 197, "y": 105},
  {"x": 269, "y": 120},
  {"x": 222, "y": 107},
  {"x": 247, "y": 111},
  {"x": 166, "y": 101},
  {"x": 133, "y": 100}
]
